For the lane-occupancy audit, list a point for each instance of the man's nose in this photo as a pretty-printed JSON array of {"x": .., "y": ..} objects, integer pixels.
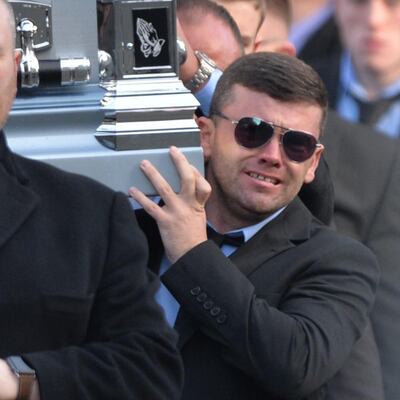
[
  {"x": 271, "y": 152},
  {"x": 378, "y": 12}
]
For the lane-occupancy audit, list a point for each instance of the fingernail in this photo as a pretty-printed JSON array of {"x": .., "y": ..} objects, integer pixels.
[{"x": 144, "y": 163}]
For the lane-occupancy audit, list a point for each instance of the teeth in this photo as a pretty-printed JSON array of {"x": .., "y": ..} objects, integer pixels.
[{"x": 262, "y": 178}]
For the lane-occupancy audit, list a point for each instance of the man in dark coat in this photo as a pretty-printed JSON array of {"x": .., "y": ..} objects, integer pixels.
[
  {"x": 276, "y": 311},
  {"x": 77, "y": 309}
]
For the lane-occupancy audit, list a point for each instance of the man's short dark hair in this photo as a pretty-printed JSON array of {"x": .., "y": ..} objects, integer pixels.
[
  {"x": 193, "y": 10},
  {"x": 282, "y": 77}
]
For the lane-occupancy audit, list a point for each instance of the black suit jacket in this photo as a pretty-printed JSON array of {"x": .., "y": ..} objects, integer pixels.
[
  {"x": 324, "y": 42},
  {"x": 365, "y": 170},
  {"x": 76, "y": 298},
  {"x": 278, "y": 319}
]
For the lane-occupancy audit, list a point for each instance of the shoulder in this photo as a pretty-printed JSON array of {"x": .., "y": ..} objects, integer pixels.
[
  {"x": 66, "y": 200},
  {"x": 333, "y": 251},
  {"x": 53, "y": 184}
]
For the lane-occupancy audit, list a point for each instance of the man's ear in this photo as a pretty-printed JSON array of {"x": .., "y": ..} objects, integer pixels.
[
  {"x": 17, "y": 56},
  {"x": 286, "y": 47},
  {"x": 310, "y": 175},
  {"x": 207, "y": 131}
]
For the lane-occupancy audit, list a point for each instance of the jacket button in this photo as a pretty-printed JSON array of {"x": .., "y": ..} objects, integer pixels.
[
  {"x": 201, "y": 297},
  {"x": 222, "y": 319},
  {"x": 195, "y": 291},
  {"x": 215, "y": 311},
  {"x": 208, "y": 305}
]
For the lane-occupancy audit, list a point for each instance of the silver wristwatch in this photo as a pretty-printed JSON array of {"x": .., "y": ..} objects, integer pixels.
[{"x": 206, "y": 68}]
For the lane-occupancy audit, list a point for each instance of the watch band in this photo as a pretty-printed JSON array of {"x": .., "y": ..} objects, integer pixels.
[
  {"x": 25, "y": 374},
  {"x": 206, "y": 68}
]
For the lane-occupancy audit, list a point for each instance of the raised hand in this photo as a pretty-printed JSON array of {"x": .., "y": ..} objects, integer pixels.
[{"x": 182, "y": 218}]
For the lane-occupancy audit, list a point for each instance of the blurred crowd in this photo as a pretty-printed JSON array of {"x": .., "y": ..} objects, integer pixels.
[{"x": 355, "y": 47}]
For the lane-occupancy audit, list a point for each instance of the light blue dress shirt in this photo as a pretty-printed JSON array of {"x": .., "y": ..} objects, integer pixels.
[
  {"x": 205, "y": 94},
  {"x": 164, "y": 296},
  {"x": 351, "y": 88}
]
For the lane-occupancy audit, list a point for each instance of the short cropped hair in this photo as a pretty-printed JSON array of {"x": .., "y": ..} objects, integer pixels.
[
  {"x": 192, "y": 10},
  {"x": 282, "y": 77}
]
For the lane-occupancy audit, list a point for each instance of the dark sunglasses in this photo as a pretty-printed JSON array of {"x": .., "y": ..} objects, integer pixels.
[{"x": 253, "y": 132}]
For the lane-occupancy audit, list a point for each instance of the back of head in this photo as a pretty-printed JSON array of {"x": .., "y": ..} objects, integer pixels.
[
  {"x": 249, "y": 15},
  {"x": 9, "y": 15},
  {"x": 280, "y": 8},
  {"x": 273, "y": 34},
  {"x": 259, "y": 5},
  {"x": 282, "y": 77},
  {"x": 192, "y": 11}
]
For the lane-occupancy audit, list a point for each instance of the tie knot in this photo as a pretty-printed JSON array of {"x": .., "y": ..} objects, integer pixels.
[
  {"x": 371, "y": 111},
  {"x": 233, "y": 239}
]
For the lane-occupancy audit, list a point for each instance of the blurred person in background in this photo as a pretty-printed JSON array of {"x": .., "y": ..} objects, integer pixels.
[
  {"x": 249, "y": 15},
  {"x": 199, "y": 16},
  {"x": 273, "y": 33},
  {"x": 364, "y": 81},
  {"x": 368, "y": 210}
]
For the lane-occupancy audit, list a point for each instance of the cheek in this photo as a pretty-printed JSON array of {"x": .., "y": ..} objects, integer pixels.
[{"x": 301, "y": 173}]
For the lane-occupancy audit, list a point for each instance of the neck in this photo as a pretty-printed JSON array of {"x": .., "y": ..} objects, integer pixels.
[
  {"x": 374, "y": 83},
  {"x": 216, "y": 217},
  {"x": 226, "y": 217}
]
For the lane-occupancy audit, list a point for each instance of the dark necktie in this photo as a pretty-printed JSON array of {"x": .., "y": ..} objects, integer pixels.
[
  {"x": 233, "y": 239},
  {"x": 371, "y": 111}
]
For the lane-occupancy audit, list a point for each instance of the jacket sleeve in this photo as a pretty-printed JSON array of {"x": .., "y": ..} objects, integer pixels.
[
  {"x": 129, "y": 352},
  {"x": 293, "y": 345}
]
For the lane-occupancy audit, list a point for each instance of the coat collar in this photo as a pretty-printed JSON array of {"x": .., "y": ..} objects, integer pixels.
[
  {"x": 16, "y": 199},
  {"x": 290, "y": 227}
]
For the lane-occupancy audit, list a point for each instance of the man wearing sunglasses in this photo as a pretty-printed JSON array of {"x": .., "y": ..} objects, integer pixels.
[{"x": 272, "y": 308}]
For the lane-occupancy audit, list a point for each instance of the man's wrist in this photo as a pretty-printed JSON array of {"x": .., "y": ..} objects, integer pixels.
[
  {"x": 206, "y": 67},
  {"x": 8, "y": 382},
  {"x": 24, "y": 377}
]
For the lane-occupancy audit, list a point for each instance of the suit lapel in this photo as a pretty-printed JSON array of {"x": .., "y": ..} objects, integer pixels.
[
  {"x": 16, "y": 199},
  {"x": 156, "y": 248},
  {"x": 291, "y": 227}
]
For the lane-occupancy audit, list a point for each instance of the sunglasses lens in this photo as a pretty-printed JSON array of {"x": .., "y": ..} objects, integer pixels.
[
  {"x": 298, "y": 146},
  {"x": 253, "y": 132}
]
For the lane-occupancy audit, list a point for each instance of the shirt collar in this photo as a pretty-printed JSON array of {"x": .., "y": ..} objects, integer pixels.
[
  {"x": 251, "y": 230},
  {"x": 350, "y": 83}
]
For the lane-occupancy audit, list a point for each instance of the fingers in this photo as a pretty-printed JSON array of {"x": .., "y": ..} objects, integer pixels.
[
  {"x": 194, "y": 188},
  {"x": 162, "y": 187},
  {"x": 149, "y": 205},
  {"x": 185, "y": 172},
  {"x": 203, "y": 188}
]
